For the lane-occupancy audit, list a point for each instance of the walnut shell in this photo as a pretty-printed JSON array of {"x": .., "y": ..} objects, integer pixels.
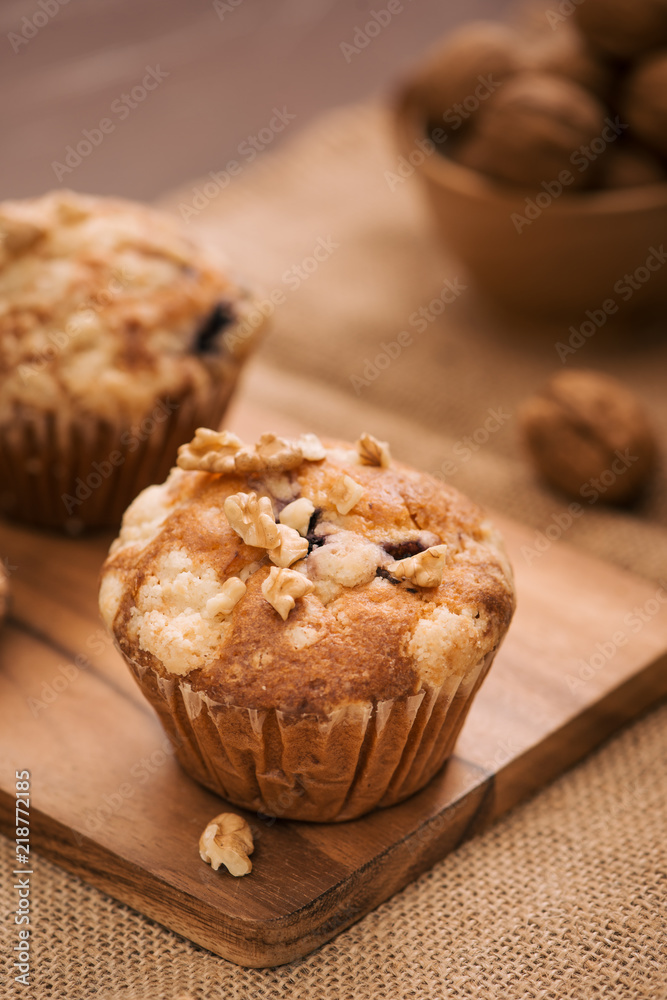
[
  {"x": 632, "y": 166},
  {"x": 623, "y": 28},
  {"x": 529, "y": 129},
  {"x": 588, "y": 436},
  {"x": 458, "y": 67},
  {"x": 645, "y": 102},
  {"x": 565, "y": 52}
]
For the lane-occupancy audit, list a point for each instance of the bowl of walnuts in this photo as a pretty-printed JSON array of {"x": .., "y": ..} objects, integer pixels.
[{"x": 543, "y": 157}]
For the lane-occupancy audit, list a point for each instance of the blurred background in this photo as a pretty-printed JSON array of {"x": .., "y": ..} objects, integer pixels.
[
  {"x": 452, "y": 287},
  {"x": 68, "y": 66}
]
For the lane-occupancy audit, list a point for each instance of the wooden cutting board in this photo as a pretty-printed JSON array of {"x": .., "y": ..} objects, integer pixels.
[{"x": 586, "y": 652}]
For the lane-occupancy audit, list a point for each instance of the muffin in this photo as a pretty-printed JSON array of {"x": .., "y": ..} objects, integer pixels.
[
  {"x": 119, "y": 336},
  {"x": 310, "y": 621}
]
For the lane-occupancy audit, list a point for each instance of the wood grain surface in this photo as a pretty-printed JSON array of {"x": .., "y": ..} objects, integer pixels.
[{"x": 587, "y": 651}]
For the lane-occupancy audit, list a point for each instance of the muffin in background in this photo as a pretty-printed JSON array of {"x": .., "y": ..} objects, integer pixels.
[
  {"x": 119, "y": 335},
  {"x": 311, "y": 622}
]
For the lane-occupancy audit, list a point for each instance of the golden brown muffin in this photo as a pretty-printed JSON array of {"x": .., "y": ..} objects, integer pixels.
[
  {"x": 119, "y": 335},
  {"x": 310, "y": 622}
]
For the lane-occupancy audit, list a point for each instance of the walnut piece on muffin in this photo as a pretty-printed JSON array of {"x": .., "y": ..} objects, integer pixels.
[{"x": 335, "y": 684}]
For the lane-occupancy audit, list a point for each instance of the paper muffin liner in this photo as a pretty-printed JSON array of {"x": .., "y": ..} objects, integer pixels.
[
  {"x": 304, "y": 767},
  {"x": 69, "y": 472}
]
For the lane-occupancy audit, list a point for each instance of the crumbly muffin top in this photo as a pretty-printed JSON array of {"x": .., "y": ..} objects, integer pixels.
[
  {"x": 303, "y": 576},
  {"x": 106, "y": 304}
]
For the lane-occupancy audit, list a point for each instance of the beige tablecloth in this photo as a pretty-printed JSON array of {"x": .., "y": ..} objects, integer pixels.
[{"x": 566, "y": 896}]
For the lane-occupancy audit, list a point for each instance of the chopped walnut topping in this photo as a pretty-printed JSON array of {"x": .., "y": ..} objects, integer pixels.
[
  {"x": 311, "y": 447},
  {"x": 282, "y": 587},
  {"x": 247, "y": 571},
  {"x": 373, "y": 452},
  {"x": 252, "y": 518},
  {"x": 345, "y": 493},
  {"x": 270, "y": 452},
  {"x": 425, "y": 569},
  {"x": 224, "y": 603},
  {"x": 297, "y": 515},
  {"x": 210, "y": 451},
  {"x": 290, "y": 547}
]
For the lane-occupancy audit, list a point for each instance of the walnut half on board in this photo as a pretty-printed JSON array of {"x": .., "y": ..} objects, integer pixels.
[
  {"x": 588, "y": 436},
  {"x": 227, "y": 840}
]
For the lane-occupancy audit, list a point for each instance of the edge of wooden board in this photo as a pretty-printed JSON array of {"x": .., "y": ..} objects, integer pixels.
[
  {"x": 268, "y": 943},
  {"x": 462, "y": 800}
]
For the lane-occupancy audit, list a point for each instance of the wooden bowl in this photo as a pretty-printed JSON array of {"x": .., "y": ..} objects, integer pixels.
[{"x": 596, "y": 251}]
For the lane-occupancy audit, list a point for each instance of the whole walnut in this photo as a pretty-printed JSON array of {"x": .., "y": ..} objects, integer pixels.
[
  {"x": 528, "y": 131},
  {"x": 589, "y": 437},
  {"x": 631, "y": 166},
  {"x": 460, "y": 73},
  {"x": 565, "y": 52},
  {"x": 644, "y": 103},
  {"x": 623, "y": 28}
]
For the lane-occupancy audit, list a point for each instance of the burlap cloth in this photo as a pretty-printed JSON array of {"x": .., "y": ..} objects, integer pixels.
[{"x": 566, "y": 896}]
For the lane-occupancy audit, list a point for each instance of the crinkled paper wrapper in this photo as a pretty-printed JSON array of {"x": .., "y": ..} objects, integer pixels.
[
  {"x": 302, "y": 767},
  {"x": 56, "y": 472}
]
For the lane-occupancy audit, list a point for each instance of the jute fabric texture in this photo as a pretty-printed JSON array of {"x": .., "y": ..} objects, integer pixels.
[{"x": 566, "y": 896}]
